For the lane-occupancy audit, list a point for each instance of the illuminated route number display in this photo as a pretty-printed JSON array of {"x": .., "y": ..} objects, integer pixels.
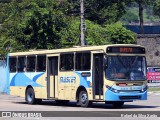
[{"x": 136, "y": 50}]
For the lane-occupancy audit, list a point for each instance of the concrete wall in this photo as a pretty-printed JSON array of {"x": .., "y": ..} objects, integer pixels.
[
  {"x": 3, "y": 76},
  {"x": 152, "y": 44}
]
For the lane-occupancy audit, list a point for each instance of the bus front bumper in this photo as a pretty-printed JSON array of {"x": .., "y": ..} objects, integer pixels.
[{"x": 128, "y": 96}]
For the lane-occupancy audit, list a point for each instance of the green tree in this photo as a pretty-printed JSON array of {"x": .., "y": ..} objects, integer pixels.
[
  {"x": 156, "y": 8},
  {"x": 35, "y": 24},
  {"x": 39, "y": 24},
  {"x": 119, "y": 35},
  {"x": 43, "y": 27},
  {"x": 99, "y": 11},
  {"x": 130, "y": 16},
  {"x": 95, "y": 34},
  {"x": 9, "y": 22},
  {"x": 141, "y": 5}
]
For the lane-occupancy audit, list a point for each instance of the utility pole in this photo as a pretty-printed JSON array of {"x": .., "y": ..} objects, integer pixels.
[{"x": 83, "y": 27}]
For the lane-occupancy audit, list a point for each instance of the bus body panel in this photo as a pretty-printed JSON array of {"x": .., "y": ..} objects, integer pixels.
[
  {"x": 70, "y": 81},
  {"x": 20, "y": 81}
]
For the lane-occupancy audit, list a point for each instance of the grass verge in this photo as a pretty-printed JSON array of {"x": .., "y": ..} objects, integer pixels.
[{"x": 154, "y": 89}]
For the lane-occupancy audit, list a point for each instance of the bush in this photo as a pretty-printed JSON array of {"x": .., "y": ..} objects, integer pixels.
[{"x": 120, "y": 35}]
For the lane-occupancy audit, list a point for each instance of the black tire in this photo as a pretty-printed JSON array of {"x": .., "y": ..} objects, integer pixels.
[
  {"x": 62, "y": 102},
  {"x": 118, "y": 104},
  {"x": 30, "y": 96},
  {"x": 83, "y": 99}
]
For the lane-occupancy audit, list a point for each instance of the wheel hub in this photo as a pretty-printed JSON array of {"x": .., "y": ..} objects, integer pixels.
[
  {"x": 30, "y": 96},
  {"x": 84, "y": 98}
]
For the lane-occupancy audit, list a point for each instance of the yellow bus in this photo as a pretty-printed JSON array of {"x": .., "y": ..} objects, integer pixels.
[{"x": 113, "y": 74}]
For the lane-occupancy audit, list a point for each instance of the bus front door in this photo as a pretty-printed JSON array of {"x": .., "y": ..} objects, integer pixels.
[
  {"x": 98, "y": 76},
  {"x": 52, "y": 76}
]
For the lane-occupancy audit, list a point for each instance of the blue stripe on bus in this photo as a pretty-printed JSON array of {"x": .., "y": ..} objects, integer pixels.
[
  {"x": 36, "y": 77},
  {"x": 83, "y": 80},
  {"x": 20, "y": 79},
  {"x": 13, "y": 80}
]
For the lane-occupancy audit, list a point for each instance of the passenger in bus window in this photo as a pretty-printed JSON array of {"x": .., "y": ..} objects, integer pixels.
[{"x": 24, "y": 69}]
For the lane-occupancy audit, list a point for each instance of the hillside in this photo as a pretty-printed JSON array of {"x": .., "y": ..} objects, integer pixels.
[{"x": 132, "y": 16}]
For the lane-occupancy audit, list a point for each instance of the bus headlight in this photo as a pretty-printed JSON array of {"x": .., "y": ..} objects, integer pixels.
[
  {"x": 144, "y": 88},
  {"x": 112, "y": 89}
]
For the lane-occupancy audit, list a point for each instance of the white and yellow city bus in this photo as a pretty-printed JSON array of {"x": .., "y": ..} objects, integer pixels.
[{"x": 112, "y": 74}]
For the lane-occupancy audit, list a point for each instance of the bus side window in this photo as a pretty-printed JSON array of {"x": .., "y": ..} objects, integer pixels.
[
  {"x": 31, "y": 63},
  {"x": 21, "y": 64},
  {"x": 41, "y": 63},
  {"x": 12, "y": 64},
  {"x": 67, "y": 62},
  {"x": 83, "y": 61}
]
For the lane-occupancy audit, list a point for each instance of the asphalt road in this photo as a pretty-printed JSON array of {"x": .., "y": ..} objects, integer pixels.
[{"x": 138, "y": 108}]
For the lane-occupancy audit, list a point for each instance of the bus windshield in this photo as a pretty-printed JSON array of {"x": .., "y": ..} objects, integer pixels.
[{"x": 126, "y": 68}]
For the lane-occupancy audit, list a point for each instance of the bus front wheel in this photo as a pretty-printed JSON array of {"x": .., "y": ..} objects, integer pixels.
[{"x": 83, "y": 99}]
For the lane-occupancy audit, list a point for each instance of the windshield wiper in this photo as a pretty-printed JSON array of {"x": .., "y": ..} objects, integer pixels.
[{"x": 134, "y": 61}]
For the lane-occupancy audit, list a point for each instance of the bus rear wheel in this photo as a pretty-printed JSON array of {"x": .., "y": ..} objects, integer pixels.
[
  {"x": 30, "y": 97},
  {"x": 83, "y": 99}
]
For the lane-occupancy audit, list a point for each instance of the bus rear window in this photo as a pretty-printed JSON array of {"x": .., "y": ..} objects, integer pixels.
[{"x": 12, "y": 64}]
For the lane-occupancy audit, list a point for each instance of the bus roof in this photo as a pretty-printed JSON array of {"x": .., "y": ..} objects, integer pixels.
[{"x": 73, "y": 49}]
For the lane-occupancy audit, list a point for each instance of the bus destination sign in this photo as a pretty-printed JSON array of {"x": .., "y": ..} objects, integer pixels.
[
  {"x": 121, "y": 49},
  {"x": 126, "y": 50}
]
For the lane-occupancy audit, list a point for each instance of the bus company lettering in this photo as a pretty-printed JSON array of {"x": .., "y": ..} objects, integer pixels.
[{"x": 69, "y": 79}]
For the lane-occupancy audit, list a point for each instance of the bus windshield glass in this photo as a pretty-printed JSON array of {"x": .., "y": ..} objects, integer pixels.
[{"x": 126, "y": 68}]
